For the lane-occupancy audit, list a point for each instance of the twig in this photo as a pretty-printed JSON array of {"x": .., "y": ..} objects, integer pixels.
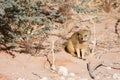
[
  {"x": 53, "y": 57},
  {"x": 48, "y": 60},
  {"x": 36, "y": 75},
  {"x": 90, "y": 71},
  {"x": 116, "y": 29},
  {"x": 97, "y": 65},
  {"x": 94, "y": 36},
  {"x": 52, "y": 64},
  {"x": 107, "y": 65}
]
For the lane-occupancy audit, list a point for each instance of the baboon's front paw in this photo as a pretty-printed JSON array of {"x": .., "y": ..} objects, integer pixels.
[
  {"x": 74, "y": 55},
  {"x": 79, "y": 57},
  {"x": 83, "y": 58}
]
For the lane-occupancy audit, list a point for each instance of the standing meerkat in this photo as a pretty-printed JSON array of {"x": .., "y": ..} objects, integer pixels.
[{"x": 77, "y": 44}]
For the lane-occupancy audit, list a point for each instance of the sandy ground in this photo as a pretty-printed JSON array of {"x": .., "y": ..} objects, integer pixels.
[{"x": 27, "y": 67}]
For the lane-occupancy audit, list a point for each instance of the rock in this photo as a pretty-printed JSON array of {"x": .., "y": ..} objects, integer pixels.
[
  {"x": 62, "y": 70},
  {"x": 72, "y": 74},
  {"x": 116, "y": 76},
  {"x": 62, "y": 78},
  {"x": 20, "y": 79},
  {"x": 70, "y": 78},
  {"x": 109, "y": 68}
]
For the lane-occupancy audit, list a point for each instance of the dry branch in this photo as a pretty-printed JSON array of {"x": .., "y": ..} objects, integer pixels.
[
  {"x": 97, "y": 65},
  {"x": 48, "y": 60},
  {"x": 37, "y": 75},
  {"x": 52, "y": 63},
  {"x": 94, "y": 35},
  {"x": 112, "y": 67},
  {"x": 91, "y": 70},
  {"x": 53, "y": 56},
  {"x": 116, "y": 28}
]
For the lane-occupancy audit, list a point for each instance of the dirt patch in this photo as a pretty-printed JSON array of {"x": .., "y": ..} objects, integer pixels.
[{"x": 27, "y": 67}]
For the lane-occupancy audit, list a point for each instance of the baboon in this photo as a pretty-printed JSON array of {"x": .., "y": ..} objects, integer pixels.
[{"x": 77, "y": 44}]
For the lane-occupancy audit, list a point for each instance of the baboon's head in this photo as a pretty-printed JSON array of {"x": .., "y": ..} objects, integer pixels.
[{"x": 83, "y": 35}]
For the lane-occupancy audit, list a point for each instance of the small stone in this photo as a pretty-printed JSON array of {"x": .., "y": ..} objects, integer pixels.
[
  {"x": 72, "y": 74},
  {"x": 62, "y": 70},
  {"x": 20, "y": 79},
  {"x": 62, "y": 78},
  {"x": 116, "y": 76},
  {"x": 71, "y": 78},
  {"x": 109, "y": 68}
]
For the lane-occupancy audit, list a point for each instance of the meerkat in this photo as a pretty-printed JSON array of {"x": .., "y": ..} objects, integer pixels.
[{"x": 77, "y": 44}]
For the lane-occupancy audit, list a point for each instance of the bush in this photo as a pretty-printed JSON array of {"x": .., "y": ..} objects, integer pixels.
[{"x": 17, "y": 18}]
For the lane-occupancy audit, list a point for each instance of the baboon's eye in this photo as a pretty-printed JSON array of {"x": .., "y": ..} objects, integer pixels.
[{"x": 85, "y": 35}]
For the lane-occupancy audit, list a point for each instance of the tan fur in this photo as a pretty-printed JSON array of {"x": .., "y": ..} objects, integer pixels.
[{"x": 77, "y": 44}]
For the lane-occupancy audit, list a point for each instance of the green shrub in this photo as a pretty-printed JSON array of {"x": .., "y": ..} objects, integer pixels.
[{"x": 17, "y": 18}]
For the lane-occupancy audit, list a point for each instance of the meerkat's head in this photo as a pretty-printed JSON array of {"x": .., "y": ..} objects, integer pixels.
[{"x": 83, "y": 35}]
